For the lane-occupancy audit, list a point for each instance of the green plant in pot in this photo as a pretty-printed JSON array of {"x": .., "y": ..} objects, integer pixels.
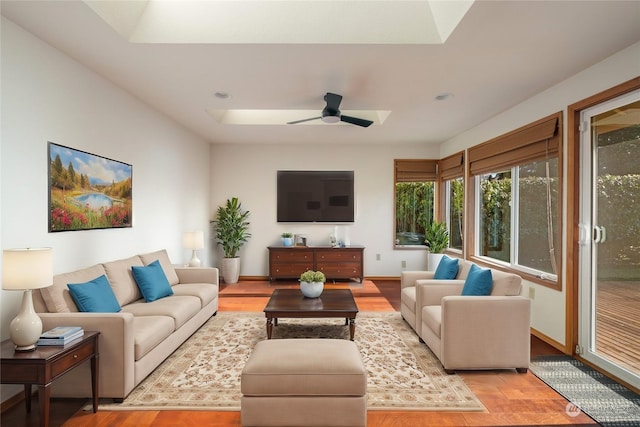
[
  {"x": 436, "y": 237},
  {"x": 312, "y": 283},
  {"x": 287, "y": 239},
  {"x": 232, "y": 231}
]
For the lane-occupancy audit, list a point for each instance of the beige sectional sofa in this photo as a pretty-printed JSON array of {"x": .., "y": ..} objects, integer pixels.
[
  {"x": 469, "y": 332},
  {"x": 134, "y": 341}
]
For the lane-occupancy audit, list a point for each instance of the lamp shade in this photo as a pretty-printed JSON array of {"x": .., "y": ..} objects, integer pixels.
[
  {"x": 30, "y": 268},
  {"x": 193, "y": 240}
]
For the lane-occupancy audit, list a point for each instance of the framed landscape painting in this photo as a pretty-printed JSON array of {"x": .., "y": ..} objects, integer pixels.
[{"x": 87, "y": 191}]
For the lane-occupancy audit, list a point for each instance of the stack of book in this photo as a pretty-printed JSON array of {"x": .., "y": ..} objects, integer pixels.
[{"x": 61, "y": 335}]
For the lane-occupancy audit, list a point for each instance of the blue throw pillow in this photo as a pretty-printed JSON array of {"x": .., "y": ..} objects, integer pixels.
[
  {"x": 447, "y": 269},
  {"x": 152, "y": 281},
  {"x": 95, "y": 296},
  {"x": 479, "y": 282}
]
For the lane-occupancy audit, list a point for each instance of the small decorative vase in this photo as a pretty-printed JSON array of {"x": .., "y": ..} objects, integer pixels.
[
  {"x": 311, "y": 289},
  {"x": 287, "y": 241}
]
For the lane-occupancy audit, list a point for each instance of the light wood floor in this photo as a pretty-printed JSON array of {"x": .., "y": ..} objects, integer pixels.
[
  {"x": 618, "y": 323},
  {"x": 511, "y": 399}
]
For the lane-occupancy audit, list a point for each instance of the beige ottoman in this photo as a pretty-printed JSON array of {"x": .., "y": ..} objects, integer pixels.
[{"x": 304, "y": 382}]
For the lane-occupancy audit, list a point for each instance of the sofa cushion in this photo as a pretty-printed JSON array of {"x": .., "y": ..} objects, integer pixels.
[
  {"x": 507, "y": 284},
  {"x": 479, "y": 282},
  {"x": 167, "y": 267},
  {"x": 179, "y": 308},
  {"x": 206, "y": 292},
  {"x": 408, "y": 297},
  {"x": 432, "y": 317},
  {"x": 464, "y": 266},
  {"x": 57, "y": 297},
  {"x": 95, "y": 296},
  {"x": 447, "y": 269},
  {"x": 151, "y": 281},
  {"x": 148, "y": 332},
  {"x": 121, "y": 279}
]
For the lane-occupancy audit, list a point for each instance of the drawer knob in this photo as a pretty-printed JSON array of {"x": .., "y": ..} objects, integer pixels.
[{"x": 75, "y": 356}]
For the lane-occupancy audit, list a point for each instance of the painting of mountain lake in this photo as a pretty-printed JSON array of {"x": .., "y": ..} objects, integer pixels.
[{"x": 87, "y": 191}]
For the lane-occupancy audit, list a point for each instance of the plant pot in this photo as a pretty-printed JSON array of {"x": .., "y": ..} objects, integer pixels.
[
  {"x": 433, "y": 260},
  {"x": 231, "y": 269},
  {"x": 287, "y": 241},
  {"x": 311, "y": 289}
]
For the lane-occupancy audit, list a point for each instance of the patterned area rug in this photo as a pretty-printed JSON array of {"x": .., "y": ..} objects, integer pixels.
[
  {"x": 204, "y": 373},
  {"x": 607, "y": 402}
]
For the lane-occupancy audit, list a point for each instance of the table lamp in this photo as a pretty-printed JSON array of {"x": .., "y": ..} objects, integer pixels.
[
  {"x": 193, "y": 240},
  {"x": 25, "y": 270}
]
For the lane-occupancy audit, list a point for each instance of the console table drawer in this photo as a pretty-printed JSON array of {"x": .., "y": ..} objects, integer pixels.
[
  {"x": 293, "y": 255},
  {"x": 290, "y": 270},
  {"x": 341, "y": 270},
  {"x": 338, "y": 256}
]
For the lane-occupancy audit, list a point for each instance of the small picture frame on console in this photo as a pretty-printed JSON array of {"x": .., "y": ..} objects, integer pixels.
[{"x": 300, "y": 240}]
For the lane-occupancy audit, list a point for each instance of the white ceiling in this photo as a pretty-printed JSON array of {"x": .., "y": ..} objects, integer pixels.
[{"x": 500, "y": 54}]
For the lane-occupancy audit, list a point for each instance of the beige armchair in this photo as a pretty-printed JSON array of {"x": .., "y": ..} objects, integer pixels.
[
  {"x": 408, "y": 280},
  {"x": 475, "y": 332}
]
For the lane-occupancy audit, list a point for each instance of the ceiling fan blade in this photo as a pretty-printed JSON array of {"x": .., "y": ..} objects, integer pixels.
[
  {"x": 356, "y": 121},
  {"x": 333, "y": 101},
  {"x": 304, "y": 120}
]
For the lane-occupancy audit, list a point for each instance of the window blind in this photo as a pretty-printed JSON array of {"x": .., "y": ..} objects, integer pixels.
[
  {"x": 415, "y": 170},
  {"x": 527, "y": 144},
  {"x": 451, "y": 167}
]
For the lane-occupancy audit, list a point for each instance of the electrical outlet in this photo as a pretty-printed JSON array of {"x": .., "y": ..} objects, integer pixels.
[
  {"x": 532, "y": 293},
  {"x": 403, "y": 264},
  {"x": 377, "y": 257}
]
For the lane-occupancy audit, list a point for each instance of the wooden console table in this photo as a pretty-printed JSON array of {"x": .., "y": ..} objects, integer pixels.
[
  {"x": 335, "y": 263},
  {"x": 47, "y": 363}
]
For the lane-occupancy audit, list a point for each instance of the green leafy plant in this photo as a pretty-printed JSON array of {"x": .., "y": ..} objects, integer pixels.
[
  {"x": 312, "y": 276},
  {"x": 232, "y": 227},
  {"x": 286, "y": 235},
  {"x": 436, "y": 237}
]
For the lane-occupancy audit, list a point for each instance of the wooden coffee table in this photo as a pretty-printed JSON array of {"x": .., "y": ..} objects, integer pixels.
[{"x": 291, "y": 303}]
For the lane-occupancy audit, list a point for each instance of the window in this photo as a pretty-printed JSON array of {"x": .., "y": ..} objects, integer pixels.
[
  {"x": 451, "y": 171},
  {"x": 414, "y": 197},
  {"x": 517, "y": 189},
  {"x": 455, "y": 212}
]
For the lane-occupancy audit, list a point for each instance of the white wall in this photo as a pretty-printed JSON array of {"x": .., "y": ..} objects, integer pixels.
[
  {"x": 46, "y": 96},
  {"x": 548, "y": 307},
  {"x": 249, "y": 173}
]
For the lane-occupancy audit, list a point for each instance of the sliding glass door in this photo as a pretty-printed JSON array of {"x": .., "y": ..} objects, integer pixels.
[{"x": 609, "y": 273}]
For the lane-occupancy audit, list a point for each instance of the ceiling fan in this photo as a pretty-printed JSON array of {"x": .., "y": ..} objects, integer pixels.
[{"x": 331, "y": 113}]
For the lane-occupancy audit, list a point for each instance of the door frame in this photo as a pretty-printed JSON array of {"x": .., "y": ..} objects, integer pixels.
[{"x": 573, "y": 213}]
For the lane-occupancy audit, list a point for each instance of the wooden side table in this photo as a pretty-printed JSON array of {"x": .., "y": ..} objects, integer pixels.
[{"x": 47, "y": 363}]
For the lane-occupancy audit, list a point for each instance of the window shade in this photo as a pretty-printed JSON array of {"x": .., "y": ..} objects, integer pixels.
[
  {"x": 451, "y": 167},
  {"x": 533, "y": 142},
  {"x": 415, "y": 170}
]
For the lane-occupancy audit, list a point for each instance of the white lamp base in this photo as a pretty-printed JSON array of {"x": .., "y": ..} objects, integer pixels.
[
  {"x": 25, "y": 329},
  {"x": 195, "y": 262}
]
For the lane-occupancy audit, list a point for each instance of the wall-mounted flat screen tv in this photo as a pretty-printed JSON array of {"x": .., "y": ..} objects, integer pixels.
[{"x": 315, "y": 196}]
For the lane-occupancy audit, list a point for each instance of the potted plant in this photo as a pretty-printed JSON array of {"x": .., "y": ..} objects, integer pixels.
[
  {"x": 312, "y": 283},
  {"x": 436, "y": 237},
  {"x": 287, "y": 239},
  {"x": 232, "y": 231}
]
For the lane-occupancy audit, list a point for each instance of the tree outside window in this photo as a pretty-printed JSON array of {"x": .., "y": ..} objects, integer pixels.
[{"x": 414, "y": 211}]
